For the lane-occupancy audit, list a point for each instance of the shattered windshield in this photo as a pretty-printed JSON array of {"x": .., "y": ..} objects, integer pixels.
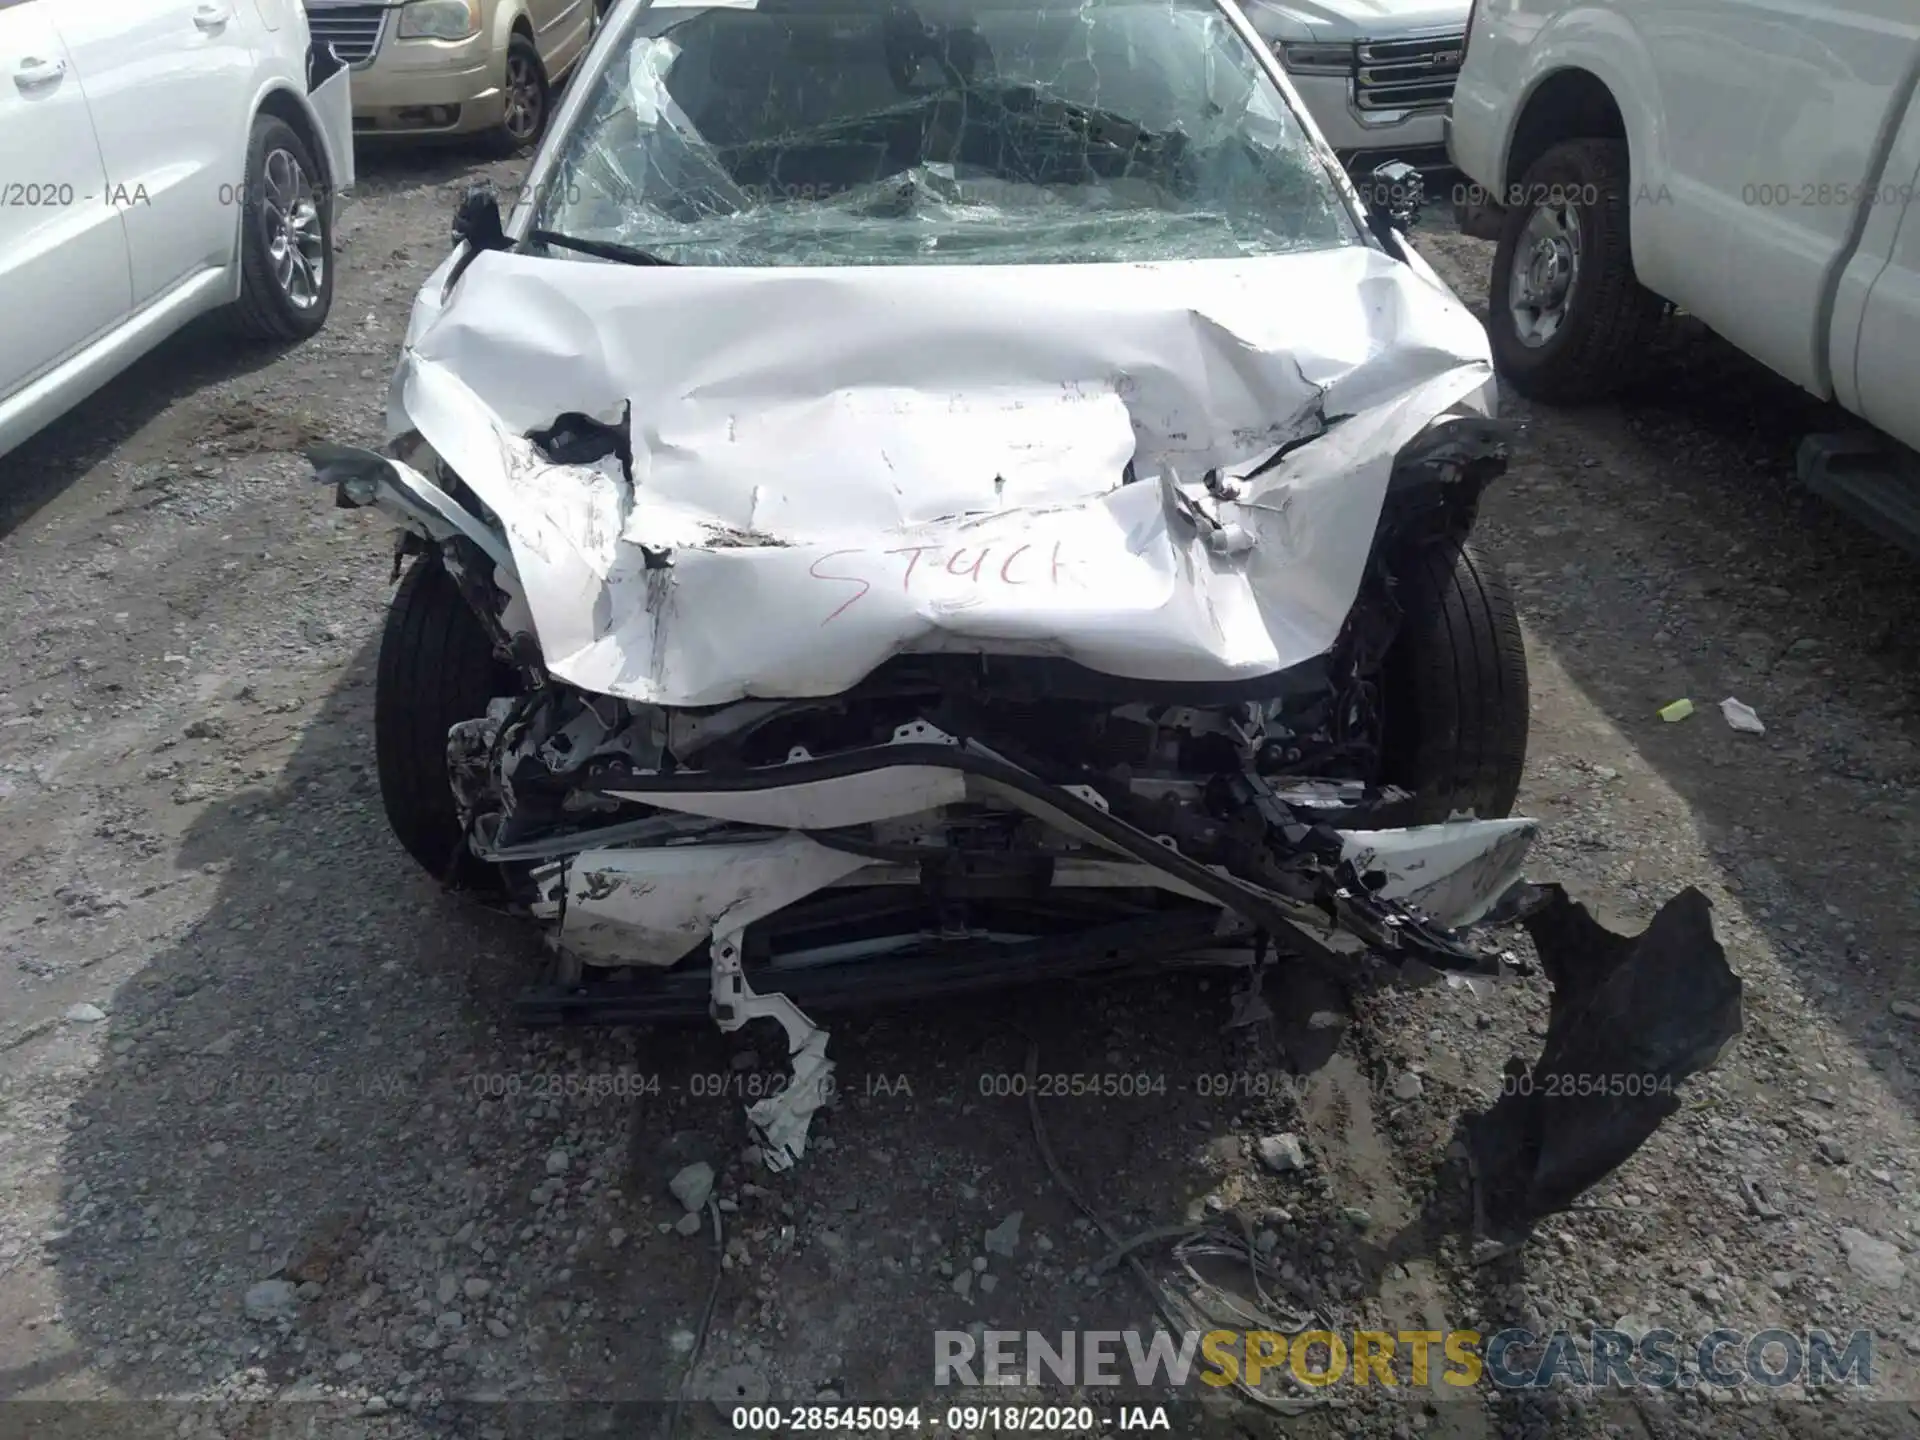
[{"x": 874, "y": 132}]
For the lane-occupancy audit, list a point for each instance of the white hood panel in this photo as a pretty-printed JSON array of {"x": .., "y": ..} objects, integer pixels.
[{"x": 833, "y": 466}]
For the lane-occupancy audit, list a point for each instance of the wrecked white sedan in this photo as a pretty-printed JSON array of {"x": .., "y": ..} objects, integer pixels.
[{"x": 924, "y": 498}]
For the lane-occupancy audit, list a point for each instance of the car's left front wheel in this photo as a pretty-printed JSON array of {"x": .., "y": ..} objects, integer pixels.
[{"x": 286, "y": 237}]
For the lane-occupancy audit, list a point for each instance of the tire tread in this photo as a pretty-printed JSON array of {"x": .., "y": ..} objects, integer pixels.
[
  {"x": 436, "y": 668},
  {"x": 1616, "y": 322},
  {"x": 1463, "y": 676},
  {"x": 257, "y": 314},
  {"x": 499, "y": 141}
]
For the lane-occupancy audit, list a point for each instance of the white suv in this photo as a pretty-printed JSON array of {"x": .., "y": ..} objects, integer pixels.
[
  {"x": 164, "y": 158},
  {"x": 1376, "y": 75}
]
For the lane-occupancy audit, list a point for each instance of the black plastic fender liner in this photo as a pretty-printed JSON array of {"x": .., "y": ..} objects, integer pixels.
[
  {"x": 1631, "y": 1018},
  {"x": 1260, "y": 908}
]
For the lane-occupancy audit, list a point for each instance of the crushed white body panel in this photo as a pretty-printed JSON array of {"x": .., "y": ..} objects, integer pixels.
[
  {"x": 834, "y": 466},
  {"x": 654, "y": 906},
  {"x": 1454, "y": 872}
]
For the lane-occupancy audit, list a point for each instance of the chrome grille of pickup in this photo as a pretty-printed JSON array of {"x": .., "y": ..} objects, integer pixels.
[
  {"x": 352, "y": 30},
  {"x": 1412, "y": 74}
]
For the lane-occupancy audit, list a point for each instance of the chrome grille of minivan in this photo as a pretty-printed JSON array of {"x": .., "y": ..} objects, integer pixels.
[
  {"x": 1412, "y": 74},
  {"x": 352, "y": 30}
]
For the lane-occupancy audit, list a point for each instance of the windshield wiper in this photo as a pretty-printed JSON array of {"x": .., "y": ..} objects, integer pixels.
[{"x": 601, "y": 249}]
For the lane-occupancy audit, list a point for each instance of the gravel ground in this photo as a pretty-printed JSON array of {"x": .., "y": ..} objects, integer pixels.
[{"x": 267, "y": 1133}]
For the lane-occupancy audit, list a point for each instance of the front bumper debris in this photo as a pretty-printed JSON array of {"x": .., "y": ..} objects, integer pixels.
[
  {"x": 779, "y": 1121},
  {"x": 1631, "y": 1018},
  {"x": 1649, "y": 1012},
  {"x": 1329, "y": 910}
]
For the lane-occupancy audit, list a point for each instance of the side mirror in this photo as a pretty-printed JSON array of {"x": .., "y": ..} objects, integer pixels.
[
  {"x": 1396, "y": 191},
  {"x": 477, "y": 221}
]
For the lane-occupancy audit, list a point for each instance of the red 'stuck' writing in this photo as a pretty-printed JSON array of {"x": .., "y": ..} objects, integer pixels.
[{"x": 1014, "y": 566}]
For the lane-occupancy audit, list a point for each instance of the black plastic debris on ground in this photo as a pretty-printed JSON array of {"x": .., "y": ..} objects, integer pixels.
[{"x": 1632, "y": 1017}]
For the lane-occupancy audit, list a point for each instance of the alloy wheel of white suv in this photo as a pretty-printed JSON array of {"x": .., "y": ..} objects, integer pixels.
[{"x": 286, "y": 237}]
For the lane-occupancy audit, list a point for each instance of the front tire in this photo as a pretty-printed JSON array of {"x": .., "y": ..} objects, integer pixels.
[
  {"x": 437, "y": 668},
  {"x": 286, "y": 238},
  {"x": 1455, "y": 688},
  {"x": 1567, "y": 316}
]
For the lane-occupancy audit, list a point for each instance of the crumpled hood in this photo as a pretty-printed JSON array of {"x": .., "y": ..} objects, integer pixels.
[{"x": 832, "y": 466}]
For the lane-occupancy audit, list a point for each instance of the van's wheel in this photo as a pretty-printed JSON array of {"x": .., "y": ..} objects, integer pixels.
[
  {"x": 527, "y": 97},
  {"x": 1567, "y": 317},
  {"x": 1454, "y": 689},
  {"x": 437, "y": 668},
  {"x": 286, "y": 237}
]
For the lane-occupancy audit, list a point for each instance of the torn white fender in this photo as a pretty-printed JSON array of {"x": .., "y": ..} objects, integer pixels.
[
  {"x": 1454, "y": 872},
  {"x": 834, "y": 466},
  {"x": 654, "y": 906},
  {"x": 364, "y": 477}
]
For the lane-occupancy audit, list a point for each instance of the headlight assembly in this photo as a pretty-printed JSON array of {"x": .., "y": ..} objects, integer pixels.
[
  {"x": 1312, "y": 58},
  {"x": 439, "y": 19}
]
